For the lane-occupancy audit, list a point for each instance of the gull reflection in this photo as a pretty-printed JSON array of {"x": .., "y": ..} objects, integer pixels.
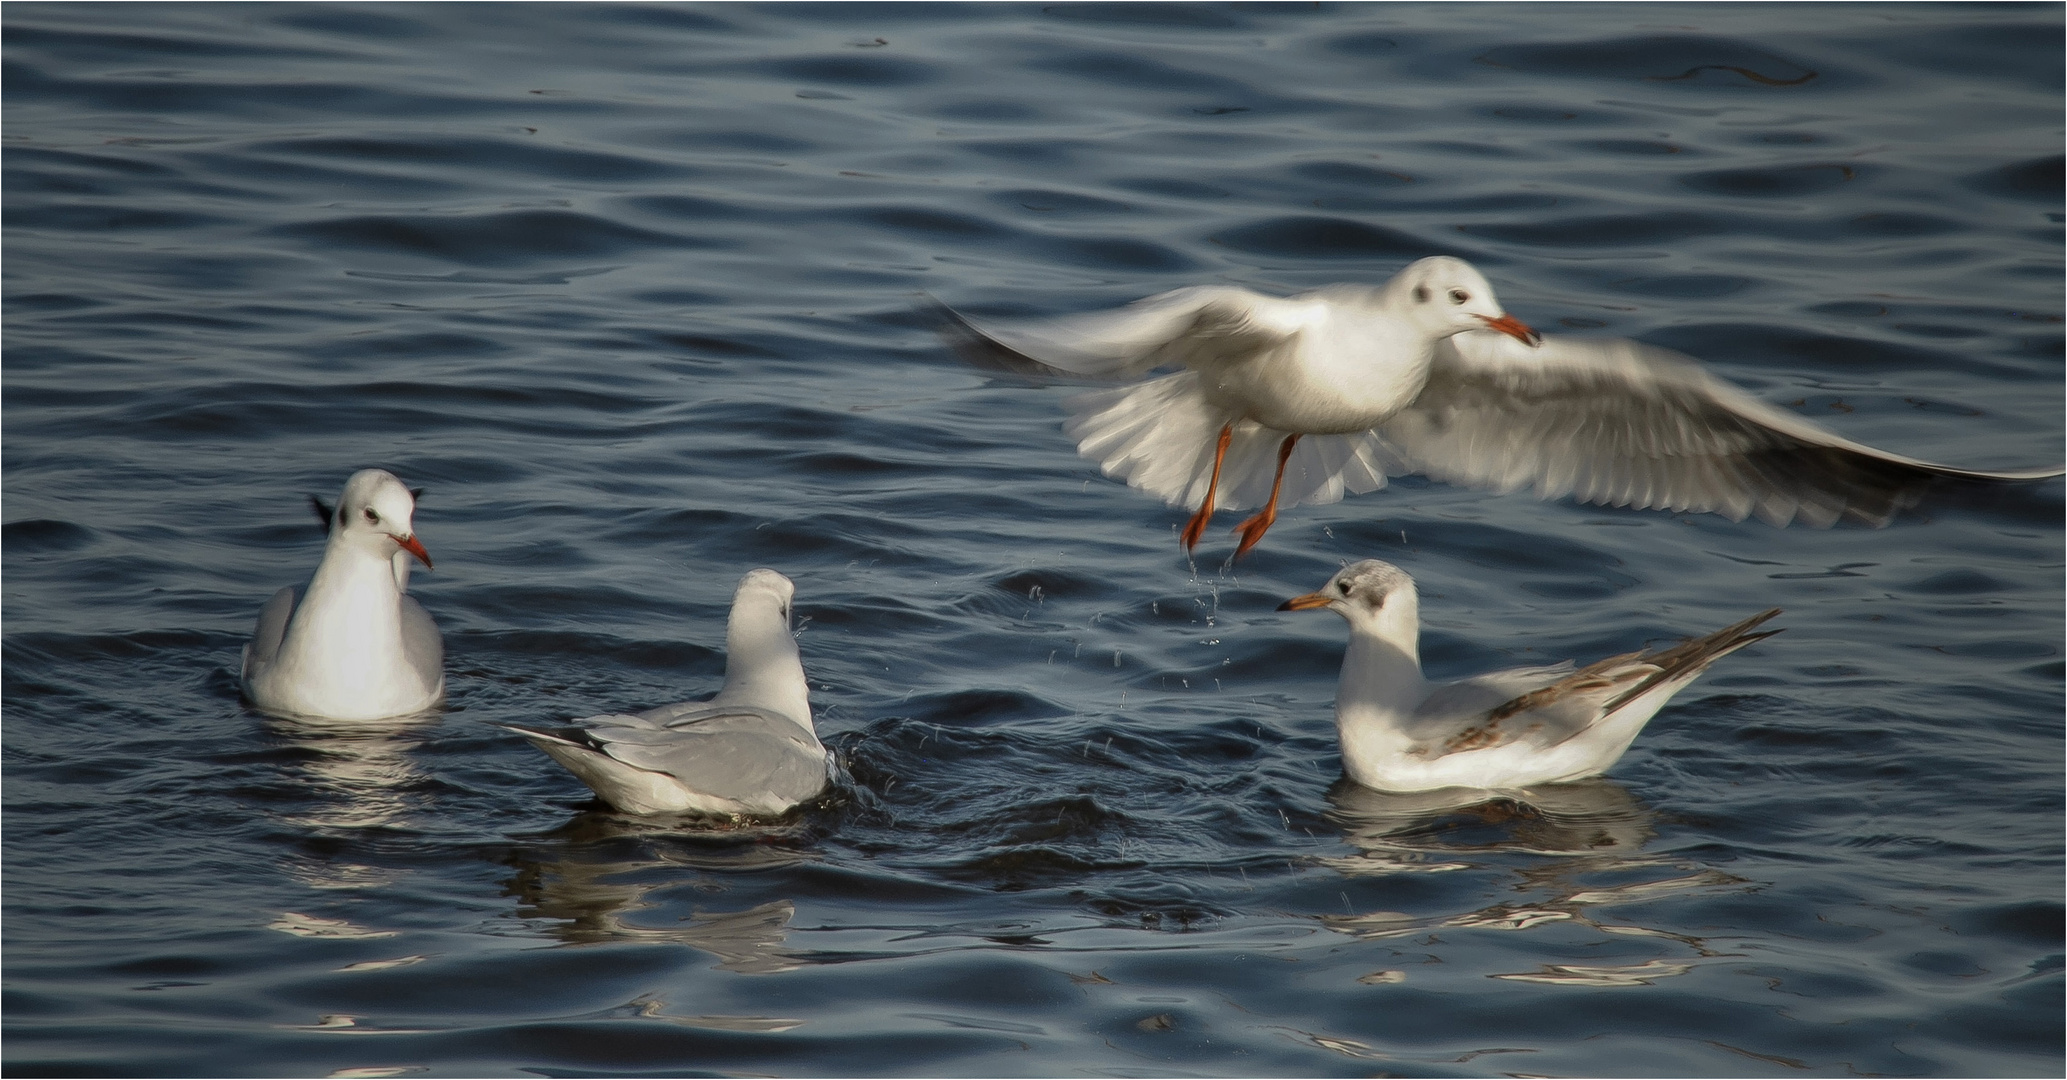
[
  {"x": 1439, "y": 830},
  {"x": 1588, "y": 838},
  {"x": 356, "y": 773},
  {"x": 601, "y": 871},
  {"x": 350, "y": 775}
]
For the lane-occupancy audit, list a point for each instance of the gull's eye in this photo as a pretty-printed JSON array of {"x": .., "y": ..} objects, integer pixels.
[
  {"x": 1421, "y": 294},
  {"x": 1458, "y": 296},
  {"x": 371, "y": 517}
]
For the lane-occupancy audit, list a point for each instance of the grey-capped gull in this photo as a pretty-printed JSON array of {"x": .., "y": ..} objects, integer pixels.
[
  {"x": 751, "y": 750},
  {"x": 356, "y": 645},
  {"x": 1506, "y": 729},
  {"x": 1286, "y": 400}
]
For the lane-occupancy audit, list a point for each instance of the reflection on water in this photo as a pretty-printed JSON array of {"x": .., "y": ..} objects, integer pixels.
[
  {"x": 600, "y": 869},
  {"x": 649, "y": 1007},
  {"x": 350, "y": 775},
  {"x": 1402, "y": 833},
  {"x": 356, "y": 773},
  {"x": 1594, "y": 831},
  {"x": 316, "y": 926}
]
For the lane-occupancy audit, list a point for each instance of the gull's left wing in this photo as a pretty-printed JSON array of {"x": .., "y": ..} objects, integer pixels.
[{"x": 1620, "y": 423}]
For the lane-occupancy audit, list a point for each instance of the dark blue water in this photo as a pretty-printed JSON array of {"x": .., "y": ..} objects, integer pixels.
[{"x": 628, "y": 288}]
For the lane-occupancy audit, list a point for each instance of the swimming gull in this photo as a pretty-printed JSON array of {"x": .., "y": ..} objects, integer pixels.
[
  {"x": 750, "y": 750},
  {"x": 357, "y": 646},
  {"x": 1506, "y": 729},
  {"x": 1282, "y": 401}
]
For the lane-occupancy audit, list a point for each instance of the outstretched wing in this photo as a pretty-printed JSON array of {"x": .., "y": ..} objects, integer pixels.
[
  {"x": 1621, "y": 423},
  {"x": 1172, "y": 328}
]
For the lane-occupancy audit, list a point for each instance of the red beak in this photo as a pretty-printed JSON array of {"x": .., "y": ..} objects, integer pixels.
[
  {"x": 414, "y": 547},
  {"x": 1514, "y": 328},
  {"x": 1306, "y": 603}
]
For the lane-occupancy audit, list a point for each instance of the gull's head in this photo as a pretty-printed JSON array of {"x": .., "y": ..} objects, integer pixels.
[
  {"x": 1369, "y": 593},
  {"x": 1449, "y": 296},
  {"x": 376, "y": 508},
  {"x": 767, "y": 587}
]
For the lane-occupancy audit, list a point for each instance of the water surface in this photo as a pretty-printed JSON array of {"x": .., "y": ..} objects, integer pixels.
[{"x": 629, "y": 289}]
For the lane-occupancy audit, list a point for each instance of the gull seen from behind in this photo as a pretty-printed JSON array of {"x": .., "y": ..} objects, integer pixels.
[
  {"x": 1502, "y": 730},
  {"x": 1280, "y": 401},
  {"x": 356, "y": 645},
  {"x": 751, "y": 750}
]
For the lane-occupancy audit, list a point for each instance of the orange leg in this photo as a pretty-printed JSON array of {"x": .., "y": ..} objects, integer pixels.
[
  {"x": 1253, "y": 529},
  {"x": 1196, "y": 527}
]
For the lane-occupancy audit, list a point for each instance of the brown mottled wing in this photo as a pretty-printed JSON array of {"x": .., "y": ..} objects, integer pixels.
[
  {"x": 1455, "y": 716},
  {"x": 1686, "y": 659},
  {"x": 1551, "y": 713}
]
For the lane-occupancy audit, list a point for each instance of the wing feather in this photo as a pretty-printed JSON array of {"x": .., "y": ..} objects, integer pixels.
[
  {"x": 1172, "y": 328},
  {"x": 1617, "y": 422},
  {"x": 1550, "y": 705},
  {"x": 732, "y": 752},
  {"x": 421, "y": 643},
  {"x": 270, "y": 631}
]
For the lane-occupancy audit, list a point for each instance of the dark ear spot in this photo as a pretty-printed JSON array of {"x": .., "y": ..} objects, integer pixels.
[
  {"x": 1421, "y": 294},
  {"x": 323, "y": 513}
]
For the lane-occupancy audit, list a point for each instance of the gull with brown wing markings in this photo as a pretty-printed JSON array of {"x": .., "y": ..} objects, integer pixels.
[{"x": 1504, "y": 729}]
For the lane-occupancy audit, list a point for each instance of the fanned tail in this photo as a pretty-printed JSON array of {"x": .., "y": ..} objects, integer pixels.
[{"x": 1159, "y": 436}]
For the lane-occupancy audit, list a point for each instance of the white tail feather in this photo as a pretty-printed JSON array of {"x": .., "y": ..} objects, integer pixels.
[{"x": 1159, "y": 436}]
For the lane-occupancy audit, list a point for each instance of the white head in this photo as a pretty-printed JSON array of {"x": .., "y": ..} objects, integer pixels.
[
  {"x": 762, "y": 666},
  {"x": 765, "y": 590},
  {"x": 1449, "y": 296},
  {"x": 1374, "y": 597},
  {"x": 376, "y": 512}
]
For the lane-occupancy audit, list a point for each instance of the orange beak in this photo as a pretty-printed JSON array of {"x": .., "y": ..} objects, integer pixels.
[
  {"x": 1306, "y": 603},
  {"x": 414, "y": 547},
  {"x": 1514, "y": 328}
]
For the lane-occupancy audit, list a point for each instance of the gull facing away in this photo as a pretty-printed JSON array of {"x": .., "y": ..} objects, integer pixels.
[
  {"x": 1506, "y": 729},
  {"x": 1426, "y": 374},
  {"x": 356, "y": 646},
  {"x": 750, "y": 750}
]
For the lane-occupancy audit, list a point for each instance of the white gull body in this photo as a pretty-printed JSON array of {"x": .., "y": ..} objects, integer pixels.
[
  {"x": 1503, "y": 730},
  {"x": 751, "y": 750},
  {"x": 355, "y": 646},
  {"x": 1331, "y": 391}
]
